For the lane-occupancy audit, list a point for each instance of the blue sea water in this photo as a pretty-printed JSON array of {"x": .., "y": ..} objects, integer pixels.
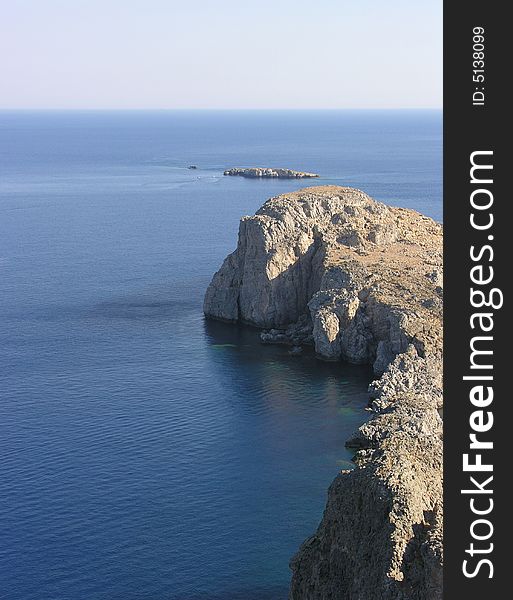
[{"x": 146, "y": 453}]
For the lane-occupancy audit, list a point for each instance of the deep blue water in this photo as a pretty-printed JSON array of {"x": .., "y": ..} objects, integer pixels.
[{"x": 144, "y": 453}]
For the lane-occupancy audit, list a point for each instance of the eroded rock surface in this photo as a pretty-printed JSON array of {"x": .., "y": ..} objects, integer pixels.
[{"x": 362, "y": 282}]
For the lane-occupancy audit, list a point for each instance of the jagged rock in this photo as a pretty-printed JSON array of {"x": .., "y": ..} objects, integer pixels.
[
  {"x": 322, "y": 251},
  {"x": 295, "y": 334},
  {"x": 408, "y": 373},
  {"x": 379, "y": 538},
  {"x": 255, "y": 172},
  {"x": 363, "y": 282}
]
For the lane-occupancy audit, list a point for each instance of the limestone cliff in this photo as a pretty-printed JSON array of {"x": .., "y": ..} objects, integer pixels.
[{"x": 362, "y": 282}]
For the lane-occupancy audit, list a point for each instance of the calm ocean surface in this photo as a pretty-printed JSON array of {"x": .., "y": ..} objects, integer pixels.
[{"x": 144, "y": 453}]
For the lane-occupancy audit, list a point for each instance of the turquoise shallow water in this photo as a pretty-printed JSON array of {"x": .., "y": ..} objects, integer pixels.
[{"x": 146, "y": 453}]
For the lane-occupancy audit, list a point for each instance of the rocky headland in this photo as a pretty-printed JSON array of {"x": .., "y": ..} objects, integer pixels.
[
  {"x": 361, "y": 282},
  {"x": 256, "y": 172}
]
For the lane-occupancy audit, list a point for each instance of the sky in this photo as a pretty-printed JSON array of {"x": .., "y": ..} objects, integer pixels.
[{"x": 220, "y": 54}]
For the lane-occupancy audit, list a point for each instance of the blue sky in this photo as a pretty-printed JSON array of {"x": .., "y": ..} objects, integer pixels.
[{"x": 132, "y": 54}]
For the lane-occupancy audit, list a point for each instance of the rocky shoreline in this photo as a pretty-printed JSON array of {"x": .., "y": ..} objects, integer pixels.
[
  {"x": 261, "y": 172},
  {"x": 361, "y": 282}
]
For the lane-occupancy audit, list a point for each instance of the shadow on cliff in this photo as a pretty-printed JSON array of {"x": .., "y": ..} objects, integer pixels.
[
  {"x": 421, "y": 566},
  {"x": 264, "y": 300}
]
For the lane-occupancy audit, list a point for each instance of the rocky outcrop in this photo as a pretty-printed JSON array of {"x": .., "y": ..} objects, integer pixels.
[
  {"x": 362, "y": 282},
  {"x": 381, "y": 533},
  {"x": 255, "y": 172}
]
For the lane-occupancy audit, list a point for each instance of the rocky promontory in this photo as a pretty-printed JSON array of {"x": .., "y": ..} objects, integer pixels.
[
  {"x": 361, "y": 282},
  {"x": 258, "y": 172}
]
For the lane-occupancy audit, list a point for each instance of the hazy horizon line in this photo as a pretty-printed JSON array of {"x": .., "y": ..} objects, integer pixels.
[{"x": 183, "y": 109}]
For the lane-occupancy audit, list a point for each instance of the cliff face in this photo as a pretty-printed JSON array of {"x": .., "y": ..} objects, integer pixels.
[{"x": 362, "y": 282}]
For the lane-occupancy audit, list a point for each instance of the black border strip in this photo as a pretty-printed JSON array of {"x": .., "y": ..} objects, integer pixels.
[{"x": 470, "y": 126}]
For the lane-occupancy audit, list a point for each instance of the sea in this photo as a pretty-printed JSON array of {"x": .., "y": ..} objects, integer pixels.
[{"x": 146, "y": 453}]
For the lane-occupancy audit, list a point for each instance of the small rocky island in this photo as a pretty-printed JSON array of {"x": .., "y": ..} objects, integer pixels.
[
  {"x": 361, "y": 282},
  {"x": 256, "y": 172}
]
